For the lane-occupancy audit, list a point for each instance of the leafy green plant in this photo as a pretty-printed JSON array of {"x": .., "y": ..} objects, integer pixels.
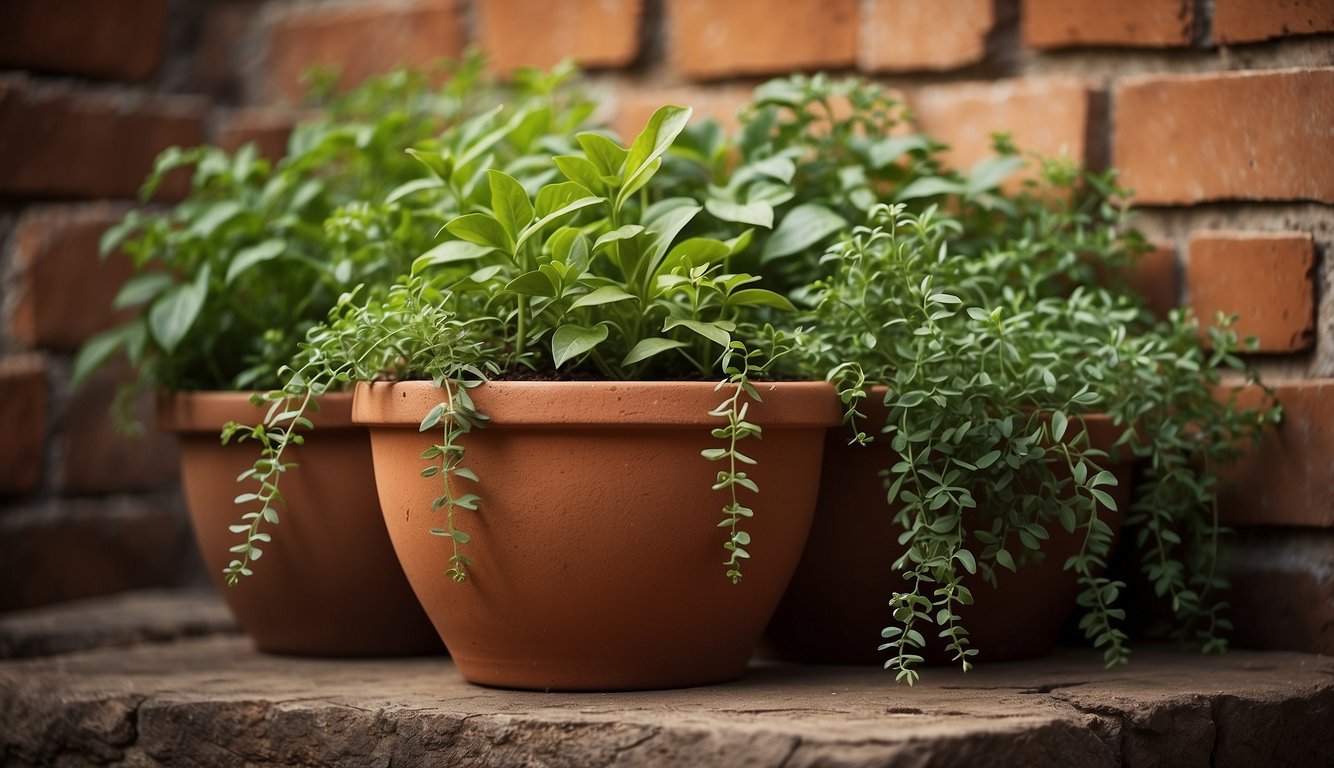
[
  {"x": 987, "y": 374},
  {"x": 585, "y": 276}
]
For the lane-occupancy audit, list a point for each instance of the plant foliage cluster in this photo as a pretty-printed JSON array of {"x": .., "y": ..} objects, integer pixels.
[{"x": 826, "y": 239}]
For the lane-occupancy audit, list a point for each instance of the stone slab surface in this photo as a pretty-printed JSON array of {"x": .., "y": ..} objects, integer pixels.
[
  {"x": 215, "y": 701},
  {"x": 125, "y": 619}
]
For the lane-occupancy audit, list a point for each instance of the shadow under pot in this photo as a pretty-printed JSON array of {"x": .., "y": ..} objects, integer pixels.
[
  {"x": 838, "y": 602},
  {"x": 597, "y": 558},
  {"x": 328, "y": 583}
]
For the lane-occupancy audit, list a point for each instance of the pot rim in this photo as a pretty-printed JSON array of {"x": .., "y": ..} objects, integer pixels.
[
  {"x": 592, "y": 404},
  {"x": 206, "y": 411}
]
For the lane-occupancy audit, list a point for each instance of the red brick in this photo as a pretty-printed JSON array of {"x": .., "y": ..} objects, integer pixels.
[
  {"x": 121, "y": 40},
  {"x": 72, "y": 548},
  {"x": 69, "y": 143},
  {"x": 540, "y": 33},
  {"x": 93, "y": 458},
  {"x": 1246, "y": 21},
  {"x": 711, "y": 39},
  {"x": 1130, "y": 23},
  {"x": 268, "y": 127},
  {"x": 64, "y": 289},
  {"x": 1267, "y": 278},
  {"x": 636, "y": 105},
  {"x": 907, "y": 35},
  {"x": 1243, "y": 135},
  {"x": 360, "y": 41},
  {"x": 1047, "y": 115},
  {"x": 227, "y": 32},
  {"x": 1154, "y": 276},
  {"x": 23, "y": 401},
  {"x": 1289, "y": 479},
  {"x": 1282, "y": 595}
]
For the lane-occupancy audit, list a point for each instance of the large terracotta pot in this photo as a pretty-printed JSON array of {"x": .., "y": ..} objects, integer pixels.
[
  {"x": 328, "y": 584},
  {"x": 838, "y": 601},
  {"x": 597, "y": 560}
]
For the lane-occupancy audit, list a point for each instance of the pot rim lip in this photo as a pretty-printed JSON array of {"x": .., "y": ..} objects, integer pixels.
[
  {"x": 601, "y": 403},
  {"x": 205, "y": 411}
]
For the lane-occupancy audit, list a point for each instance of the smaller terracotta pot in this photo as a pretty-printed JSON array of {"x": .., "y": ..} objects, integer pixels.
[
  {"x": 597, "y": 560},
  {"x": 838, "y": 601},
  {"x": 328, "y": 584}
]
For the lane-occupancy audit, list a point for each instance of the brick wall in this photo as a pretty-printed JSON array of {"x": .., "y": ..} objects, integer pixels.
[{"x": 1220, "y": 113}]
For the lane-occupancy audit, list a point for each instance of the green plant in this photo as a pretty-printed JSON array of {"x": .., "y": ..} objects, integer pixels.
[
  {"x": 989, "y": 363},
  {"x": 581, "y": 277}
]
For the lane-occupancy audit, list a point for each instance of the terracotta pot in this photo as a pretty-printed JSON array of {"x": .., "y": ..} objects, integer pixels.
[
  {"x": 838, "y": 601},
  {"x": 597, "y": 560},
  {"x": 328, "y": 584}
]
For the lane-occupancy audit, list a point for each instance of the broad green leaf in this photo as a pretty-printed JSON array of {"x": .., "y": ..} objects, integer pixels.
[
  {"x": 988, "y": 174},
  {"x": 440, "y": 165},
  {"x": 566, "y": 210},
  {"x": 759, "y": 214},
  {"x": 665, "y": 228},
  {"x": 174, "y": 313},
  {"x": 709, "y": 331},
  {"x": 483, "y": 230},
  {"x": 607, "y": 294},
  {"x": 97, "y": 350},
  {"x": 886, "y": 151},
  {"x": 647, "y": 348},
  {"x": 1058, "y": 424},
  {"x": 142, "y": 288},
  {"x": 509, "y": 203},
  {"x": 582, "y": 171},
  {"x": 449, "y": 252},
  {"x": 572, "y": 340},
  {"x": 249, "y": 257},
  {"x": 662, "y": 129},
  {"x": 553, "y": 197},
  {"x": 930, "y": 186},
  {"x": 412, "y": 187},
  {"x": 760, "y": 297},
  {"x": 605, "y": 155},
  {"x": 217, "y": 215},
  {"x": 801, "y": 228},
  {"x": 695, "y": 252},
  {"x": 534, "y": 283},
  {"x": 625, "y": 232}
]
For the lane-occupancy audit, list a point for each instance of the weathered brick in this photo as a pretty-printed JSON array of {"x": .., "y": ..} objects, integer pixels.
[
  {"x": 72, "y": 548},
  {"x": 23, "y": 405},
  {"x": 1130, "y": 23},
  {"x": 1047, "y": 115},
  {"x": 906, "y": 35},
  {"x": 268, "y": 127},
  {"x": 64, "y": 289},
  {"x": 1242, "y": 135},
  {"x": 123, "y": 40},
  {"x": 1289, "y": 479},
  {"x": 228, "y": 32},
  {"x": 360, "y": 41},
  {"x": 1282, "y": 595},
  {"x": 93, "y": 458},
  {"x": 61, "y": 142},
  {"x": 538, "y": 33},
  {"x": 1264, "y": 277},
  {"x": 1246, "y": 21},
  {"x": 635, "y": 106},
  {"x": 1154, "y": 276},
  {"x": 709, "y": 39}
]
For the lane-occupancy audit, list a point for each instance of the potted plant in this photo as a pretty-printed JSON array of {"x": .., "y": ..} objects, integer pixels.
[
  {"x": 1008, "y": 396},
  {"x": 595, "y": 494},
  {"x": 230, "y": 280}
]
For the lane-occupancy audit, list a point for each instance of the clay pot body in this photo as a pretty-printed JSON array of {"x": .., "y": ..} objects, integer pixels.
[
  {"x": 838, "y": 601},
  {"x": 328, "y": 584},
  {"x": 597, "y": 560}
]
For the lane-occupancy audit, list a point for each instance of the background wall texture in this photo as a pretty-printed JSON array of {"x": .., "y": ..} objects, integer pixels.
[{"x": 1219, "y": 113}]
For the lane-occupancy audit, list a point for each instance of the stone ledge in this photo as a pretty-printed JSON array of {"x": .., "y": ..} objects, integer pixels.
[
  {"x": 148, "y": 616},
  {"x": 214, "y": 701}
]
